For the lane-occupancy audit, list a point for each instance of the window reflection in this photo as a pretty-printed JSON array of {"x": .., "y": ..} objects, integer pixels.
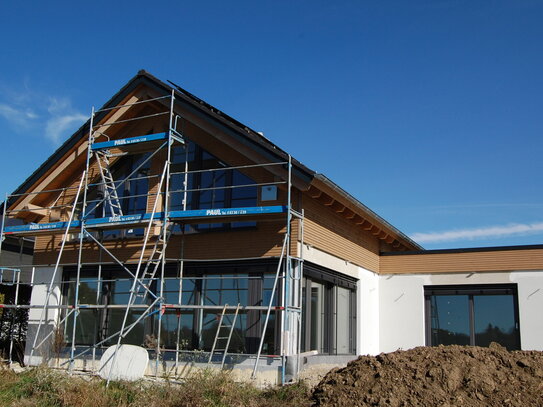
[
  {"x": 450, "y": 319},
  {"x": 494, "y": 320},
  {"x": 472, "y": 315}
]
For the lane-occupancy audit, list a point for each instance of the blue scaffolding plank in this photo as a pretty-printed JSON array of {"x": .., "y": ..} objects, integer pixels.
[
  {"x": 145, "y": 217},
  {"x": 129, "y": 141},
  {"x": 203, "y": 213},
  {"x": 38, "y": 227},
  {"x": 123, "y": 219}
]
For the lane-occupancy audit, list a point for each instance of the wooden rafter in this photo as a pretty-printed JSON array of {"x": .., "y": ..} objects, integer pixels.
[{"x": 314, "y": 192}]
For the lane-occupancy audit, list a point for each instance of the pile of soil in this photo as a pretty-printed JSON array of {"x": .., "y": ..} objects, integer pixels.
[{"x": 437, "y": 376}]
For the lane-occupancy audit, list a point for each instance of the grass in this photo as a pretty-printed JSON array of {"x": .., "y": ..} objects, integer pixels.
[{"x": 48, "y": 388}]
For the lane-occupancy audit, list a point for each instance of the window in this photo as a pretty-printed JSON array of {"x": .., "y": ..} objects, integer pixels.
[
  {"x": 132, "y": 193},
  {"x": 208, "y": 189},
  {"x": 207, "y": 287},
  {"x": 328, "y": 312},
  {"x": 472, "y": 315}
]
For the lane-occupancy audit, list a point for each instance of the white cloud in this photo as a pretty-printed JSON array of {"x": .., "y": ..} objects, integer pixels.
[
  {"x": 17, "y": 116},
  {"x": 63, "y": 118},
  {"x": 479, "y": 233},
  {"x": 58, "y": 126},
  {"x": 26, "y": 113}
]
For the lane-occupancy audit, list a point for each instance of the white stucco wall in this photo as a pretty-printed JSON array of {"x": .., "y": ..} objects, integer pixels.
[
  {"x": 401, "y": 305},
  {"x": 368, "y": 313},
  {"x": 530, "y": 297}
]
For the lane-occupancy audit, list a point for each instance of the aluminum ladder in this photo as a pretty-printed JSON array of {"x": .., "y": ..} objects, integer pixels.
[
  {"x": 227, "y": 338},
  {"x": 110, "y": 190},
  {"x": 155, "y": 259}
]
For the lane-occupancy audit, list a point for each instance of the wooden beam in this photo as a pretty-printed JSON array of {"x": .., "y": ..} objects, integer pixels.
[
  {"x": 348, "y": 214},
  {"x": 375, "y": 230},
  {"x": 338, "y": 207},
  {"x": 367, "y": 225},
  {"x": 389, "y": 239},
  {"x": 314, "y": 192},
  {"x": 382, "y": 235},
  {"x": 396, "y": 244},
  {"x": 326, "y": 200},
  {"x": 358, "y": 220}
]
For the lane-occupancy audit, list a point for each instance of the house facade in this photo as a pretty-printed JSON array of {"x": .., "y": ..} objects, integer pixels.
[{"x": 166, "y": 224}]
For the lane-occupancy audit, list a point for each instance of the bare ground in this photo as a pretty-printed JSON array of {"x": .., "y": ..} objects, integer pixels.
[{"x": 437, "y": 376}]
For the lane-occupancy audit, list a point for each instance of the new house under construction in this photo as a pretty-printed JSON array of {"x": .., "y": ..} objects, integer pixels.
[{"x": 166, "y": 224}]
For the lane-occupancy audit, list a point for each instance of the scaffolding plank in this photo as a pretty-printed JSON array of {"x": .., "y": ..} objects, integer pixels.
[
  {"x": 227, "y": 212},
  {"x": 122, "y": 220},
  {"x": 129, "y": 141},
  {"x": 40, "y": 227},
  {"x": 143, "y": 219}
]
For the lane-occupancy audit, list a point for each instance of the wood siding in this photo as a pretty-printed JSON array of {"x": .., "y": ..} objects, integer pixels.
[
  {"x": 463, "y": 262},
  {"x": 333, "y": 234},
  {"x": 264, "y": 241}
]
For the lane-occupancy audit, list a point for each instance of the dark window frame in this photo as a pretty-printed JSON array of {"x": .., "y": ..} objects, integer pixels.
[
  {"x": 470, "y": 290},
  {"x": 256, "y": 270},
  {"x": 330, "y": 280},
  {"x": 202, "y": 160}
]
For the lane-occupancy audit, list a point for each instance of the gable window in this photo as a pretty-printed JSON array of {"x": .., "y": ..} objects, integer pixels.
[
  {"x": 132, "y": 192},
  {"x": 472, "y": 315},
  {"x": 209, "y": 186}
]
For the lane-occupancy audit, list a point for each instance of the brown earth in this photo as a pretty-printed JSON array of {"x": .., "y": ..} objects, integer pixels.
[{"x": 444, "y": 376}]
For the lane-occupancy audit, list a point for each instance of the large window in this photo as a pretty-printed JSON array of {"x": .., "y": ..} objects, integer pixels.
[
  {"x": 472, "y": 315},
  {"x": 206, "y": 287},
  {"x": 328, "y": 312},
  {"x": 209, "y": 186}
]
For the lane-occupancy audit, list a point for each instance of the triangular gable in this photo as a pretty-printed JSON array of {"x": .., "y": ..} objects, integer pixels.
[{"x": 216, "y": 132}]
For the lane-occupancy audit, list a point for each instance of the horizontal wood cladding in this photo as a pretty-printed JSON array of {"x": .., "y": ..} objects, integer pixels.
[
  {"x": 264, "y": 241},
  {"x": 463, "y": 262},
  {"x": 333, "y": 234}
]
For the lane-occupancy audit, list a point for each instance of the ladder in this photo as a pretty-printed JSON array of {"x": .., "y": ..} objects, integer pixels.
[
  {"x": 227, "y": 338},
  {"x": 154, "y": 260},
  {"x": 110, "y": 191}
]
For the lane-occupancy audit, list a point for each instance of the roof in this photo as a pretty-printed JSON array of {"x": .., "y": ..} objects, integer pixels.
[{"x": 235, "y": 128}]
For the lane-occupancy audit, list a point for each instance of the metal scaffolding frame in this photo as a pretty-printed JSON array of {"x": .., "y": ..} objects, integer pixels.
[{"x": 83, "y": 223}]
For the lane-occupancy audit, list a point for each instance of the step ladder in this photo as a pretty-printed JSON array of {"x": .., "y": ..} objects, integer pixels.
[
  {"x": 219, "y": 336},
  {"x": 110, "y": 191}
]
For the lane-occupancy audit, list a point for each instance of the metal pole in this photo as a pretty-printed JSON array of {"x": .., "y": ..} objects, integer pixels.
[
  {"x": 286, "y": 297},
  {"x": 3, "y": 223},
  {"x": 300, "y": 292},
  {"x": 81, "y": 235},
  {"x": 136, "y": 278},
  {"x": 165, "y": 227},
  {"x": 50, "y": 287},
  {"x": 268, "y": 311},
  {"x": 182, "y": 256}
]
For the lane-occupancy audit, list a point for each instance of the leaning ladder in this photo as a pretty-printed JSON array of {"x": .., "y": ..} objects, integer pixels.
[
  {"x": 218, "y": 336},
  {"x": 110, "y": 190},
  {"x": 154, "y": 260}
]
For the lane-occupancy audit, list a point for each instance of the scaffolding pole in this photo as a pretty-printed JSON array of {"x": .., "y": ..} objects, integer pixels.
[{"x": 286, "y": 291}]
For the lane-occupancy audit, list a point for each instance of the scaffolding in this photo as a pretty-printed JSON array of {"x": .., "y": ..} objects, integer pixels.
[{"x": 82, "y": 214}]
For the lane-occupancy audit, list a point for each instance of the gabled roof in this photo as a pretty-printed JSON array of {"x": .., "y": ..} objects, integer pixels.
[{"x": 234, "y": 128}]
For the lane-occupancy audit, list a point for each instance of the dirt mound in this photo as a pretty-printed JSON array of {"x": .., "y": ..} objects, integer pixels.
[{"x": 437, "y": 376}]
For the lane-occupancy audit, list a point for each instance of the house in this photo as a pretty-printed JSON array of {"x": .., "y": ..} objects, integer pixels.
[{"x": 165, "y": 223}]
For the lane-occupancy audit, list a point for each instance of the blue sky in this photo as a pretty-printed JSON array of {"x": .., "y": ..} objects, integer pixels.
[{"x": 429, "y": 112}]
